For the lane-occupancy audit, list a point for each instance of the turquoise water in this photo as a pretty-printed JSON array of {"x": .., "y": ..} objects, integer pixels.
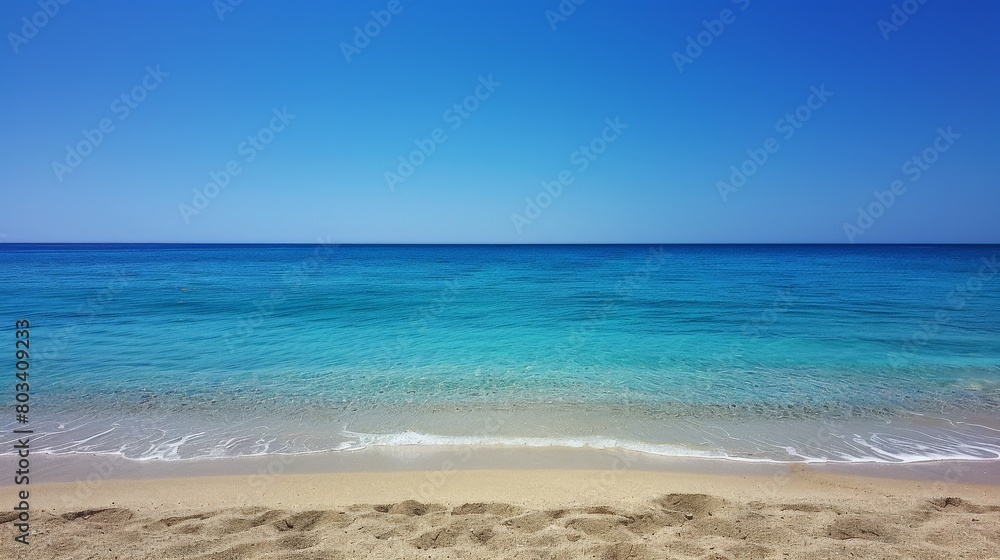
[{"x": 771, "y": 353}]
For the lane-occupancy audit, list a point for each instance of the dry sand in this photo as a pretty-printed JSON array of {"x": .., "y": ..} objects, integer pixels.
[{"x": 564, "y": 514}]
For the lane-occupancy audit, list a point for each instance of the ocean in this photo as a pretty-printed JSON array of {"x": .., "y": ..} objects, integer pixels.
[{"x": 771, "y": 353}]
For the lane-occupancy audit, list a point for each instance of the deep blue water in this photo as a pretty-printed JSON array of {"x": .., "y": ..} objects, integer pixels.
[{"x": 794, "y": 352}]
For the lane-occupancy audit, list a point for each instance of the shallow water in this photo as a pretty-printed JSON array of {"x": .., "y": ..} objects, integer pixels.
[{"x": 754, "y": 353}]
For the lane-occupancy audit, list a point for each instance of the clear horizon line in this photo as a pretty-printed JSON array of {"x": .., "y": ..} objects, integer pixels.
[{"x": 311, "y": 244}]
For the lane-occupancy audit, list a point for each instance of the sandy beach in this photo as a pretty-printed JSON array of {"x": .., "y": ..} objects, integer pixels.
[
  {"x": 553, "y": 513},
  {"x": 561, "y": 280}
]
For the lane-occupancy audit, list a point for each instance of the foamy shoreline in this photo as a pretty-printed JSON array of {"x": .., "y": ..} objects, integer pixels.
[{"x": 87, "y": 470}]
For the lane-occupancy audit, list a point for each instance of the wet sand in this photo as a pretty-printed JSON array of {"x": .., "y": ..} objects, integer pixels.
[{"x": 457, "y": 512}]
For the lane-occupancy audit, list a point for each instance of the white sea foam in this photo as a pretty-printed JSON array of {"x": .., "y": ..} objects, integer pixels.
[
  {"x": 762, "y": 442},
  {"x": 169, "y": 449},
  {"x": 412, "y": 438},
  {"x": 881, "y": 449}
]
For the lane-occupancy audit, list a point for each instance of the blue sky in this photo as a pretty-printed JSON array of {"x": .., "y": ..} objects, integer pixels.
[{"x": 312, "y": 119}]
